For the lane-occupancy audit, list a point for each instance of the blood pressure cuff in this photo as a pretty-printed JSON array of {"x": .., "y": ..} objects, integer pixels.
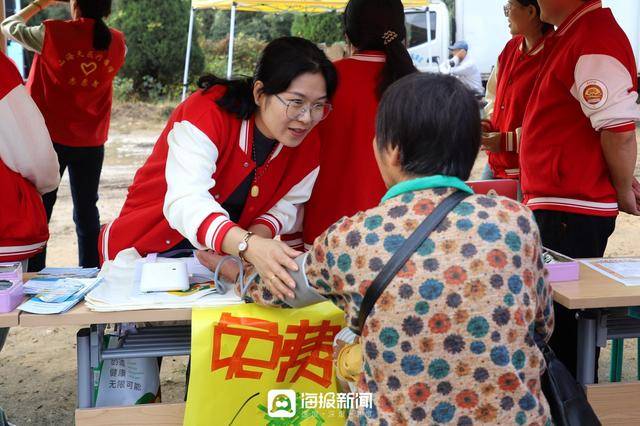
[{"x": 304, "y": 294}]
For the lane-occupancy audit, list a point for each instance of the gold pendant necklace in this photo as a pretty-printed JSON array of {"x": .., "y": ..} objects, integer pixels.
[{"x": 255, "y": 189}]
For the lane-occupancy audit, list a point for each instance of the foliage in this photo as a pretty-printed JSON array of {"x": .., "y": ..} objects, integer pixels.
[
  {"x": 319, "y": 28},
  {"x": 246, "y": 52},
  {"x": 156, "y": 33},
  {"x": 123, "y": 89},
  {"x": 55, "y": 11},
  {"x": 214, "y": 24}
]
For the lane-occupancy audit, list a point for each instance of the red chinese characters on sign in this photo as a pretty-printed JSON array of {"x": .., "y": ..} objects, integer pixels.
[
  {"x": 304, "y": 351},
  {"x": 310, "y": 346},
  {"x": 246, "y": 329}
]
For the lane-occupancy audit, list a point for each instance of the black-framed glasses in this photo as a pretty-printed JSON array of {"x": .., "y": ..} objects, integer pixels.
[{"x": 296, "y": 109}]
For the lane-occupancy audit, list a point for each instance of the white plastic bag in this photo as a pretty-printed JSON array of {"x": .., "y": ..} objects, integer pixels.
[{"x": 125, "y": 382}]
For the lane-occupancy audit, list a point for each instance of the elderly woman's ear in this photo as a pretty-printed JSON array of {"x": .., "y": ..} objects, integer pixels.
[{"x": 389, "y": 160}]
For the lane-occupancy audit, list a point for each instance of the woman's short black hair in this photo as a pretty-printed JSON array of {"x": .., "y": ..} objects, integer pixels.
[
  {"x": 282, "y": 61},
  {"x": 434, "y": 120}
]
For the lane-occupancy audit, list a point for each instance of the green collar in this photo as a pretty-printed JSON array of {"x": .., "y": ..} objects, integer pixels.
[{"x": 436, "y": 181}]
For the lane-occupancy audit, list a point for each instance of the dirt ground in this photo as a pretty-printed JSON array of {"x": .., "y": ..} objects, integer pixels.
[{"x": 37, "y": 365}]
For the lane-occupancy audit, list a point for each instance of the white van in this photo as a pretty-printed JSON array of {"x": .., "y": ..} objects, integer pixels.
[
  {"x": 429, "y": 38},
  {"x": 483, "y": 25}
]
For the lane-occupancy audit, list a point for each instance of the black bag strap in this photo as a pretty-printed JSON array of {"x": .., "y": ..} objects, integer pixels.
[{"x": 402, "y": 255}]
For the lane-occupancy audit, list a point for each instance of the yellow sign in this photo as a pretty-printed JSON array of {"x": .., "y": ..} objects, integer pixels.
[{"x": 255, "y": 365}]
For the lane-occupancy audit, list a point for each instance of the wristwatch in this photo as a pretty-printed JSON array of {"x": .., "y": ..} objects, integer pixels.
[{"x": 244, "y": 245}]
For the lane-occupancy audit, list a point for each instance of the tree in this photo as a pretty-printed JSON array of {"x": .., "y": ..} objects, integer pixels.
[
  {"x": 247, "y": 51},
  {"x": 214, "y": 24},
  {"x": 319, "y": 28},
  {"x": 156, "y": 33}
]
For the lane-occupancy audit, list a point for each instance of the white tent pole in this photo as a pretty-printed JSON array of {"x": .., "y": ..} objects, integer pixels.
[
  {"x": 231, "y": 39},
  {"x": 429, "y": 47},
  {"x": 185, "y": 79}
]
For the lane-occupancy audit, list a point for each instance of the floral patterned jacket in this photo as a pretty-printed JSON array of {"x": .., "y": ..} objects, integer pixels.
[{"x": 451, "y": 340}]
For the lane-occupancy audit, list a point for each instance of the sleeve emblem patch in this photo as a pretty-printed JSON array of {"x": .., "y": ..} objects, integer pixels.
[{"x": 594, "y": 94}]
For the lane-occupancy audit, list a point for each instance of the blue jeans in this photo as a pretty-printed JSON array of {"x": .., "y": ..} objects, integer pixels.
[{"x": 85, "y": 166}]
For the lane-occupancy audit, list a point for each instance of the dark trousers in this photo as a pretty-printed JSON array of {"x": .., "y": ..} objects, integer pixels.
[
  {"x": 576, "y": 236},
  {"x": 85, "y": 166}
]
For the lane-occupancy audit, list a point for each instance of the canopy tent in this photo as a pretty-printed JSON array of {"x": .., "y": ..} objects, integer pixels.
[
  {"x": 274, "y": 6},
  {"x": 267, "y": 6}
]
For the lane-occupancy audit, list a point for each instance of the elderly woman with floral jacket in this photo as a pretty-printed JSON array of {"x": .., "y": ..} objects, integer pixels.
[{"x": 452, "y": 338}]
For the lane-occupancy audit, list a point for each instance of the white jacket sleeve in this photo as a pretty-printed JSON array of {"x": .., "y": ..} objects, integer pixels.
[
  {"x": 191, "y": 163},
  {"x": 25, "y": 144},
  {"x": 286, "y": 216},
  {"x": 490, "y": 94},
  {"x": 604, "y": 88}
]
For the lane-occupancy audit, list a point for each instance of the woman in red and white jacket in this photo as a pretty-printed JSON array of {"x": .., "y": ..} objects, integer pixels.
[
  {"x": 71, "y": 82},
  {"x": 510, "y": 85},
  {"x": 28, "y": 168},
  {"x": 349, "y": 180},
  {"x": 234, "y": 164}
]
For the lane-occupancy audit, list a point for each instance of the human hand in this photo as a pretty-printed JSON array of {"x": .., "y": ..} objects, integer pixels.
[
  {"x": 491, "y": 142},
  {"x": 487, "y": 127},
  {"x": 210, "y": 260},
  {"x": 272, "y": 258},
  {"x": 629, "y": 200}
]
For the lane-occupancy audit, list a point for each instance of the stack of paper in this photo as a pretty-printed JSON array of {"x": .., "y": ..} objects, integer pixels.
[
  {"x": 623, "y": 270},
  {"x": 68, "y": 273},
  {"x": 119, "y": 291},
  {"x": 59, "y": 296}
]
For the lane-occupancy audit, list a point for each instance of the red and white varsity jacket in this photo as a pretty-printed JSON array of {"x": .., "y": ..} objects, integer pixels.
[
  {"x": 349, "y": 179},
  {"x": 587, "y": 84},
  {"x": 513, "y": 76},
  {"x": 71, "y": 82},
  {"x": 28, "y": 167},
  {"x": 201, "y": 157}
]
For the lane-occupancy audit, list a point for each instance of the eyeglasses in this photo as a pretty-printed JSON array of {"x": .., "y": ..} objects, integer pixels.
[
  {"x": 297, "y": 109},
  {"x": 507, "y": 8}
]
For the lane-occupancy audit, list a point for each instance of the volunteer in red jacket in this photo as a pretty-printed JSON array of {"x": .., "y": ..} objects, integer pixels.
[
  {"x": 28, "y": 168},
  {"x": 71, "y": 82},
  {"x": 510, "y": 85},
  {"x": 578, "y": 149},
  {"x": 349, "y": 180},
  {"x": 234, "y": 164}
]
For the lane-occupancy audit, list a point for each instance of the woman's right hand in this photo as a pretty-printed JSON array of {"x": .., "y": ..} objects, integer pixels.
[
  {"x": 491, "y": 142},
  {"x": 271, "y": 259}
]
